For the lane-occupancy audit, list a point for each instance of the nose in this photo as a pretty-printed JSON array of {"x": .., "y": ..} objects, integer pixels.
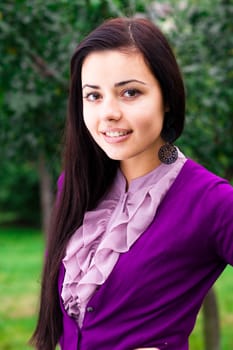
[{"x": 110, "y": 109}]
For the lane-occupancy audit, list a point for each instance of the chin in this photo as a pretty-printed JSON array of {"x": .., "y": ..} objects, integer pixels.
[{"x": 114, "y": 156}]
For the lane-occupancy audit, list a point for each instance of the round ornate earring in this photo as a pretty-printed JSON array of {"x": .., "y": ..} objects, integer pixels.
[{"x": 168, "y": 153}]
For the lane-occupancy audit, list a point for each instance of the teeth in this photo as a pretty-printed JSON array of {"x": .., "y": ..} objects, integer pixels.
[{"x": 116, "y": 133}]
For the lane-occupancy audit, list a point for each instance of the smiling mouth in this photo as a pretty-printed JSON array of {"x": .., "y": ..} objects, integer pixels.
[{"x": 116, "y": 133}]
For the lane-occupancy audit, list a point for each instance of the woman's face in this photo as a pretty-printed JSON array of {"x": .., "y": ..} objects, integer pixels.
[{"x": 123, "y": 106}]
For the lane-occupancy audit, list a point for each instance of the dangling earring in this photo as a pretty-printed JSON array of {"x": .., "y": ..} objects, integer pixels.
[{"x": 168, "y": 153}]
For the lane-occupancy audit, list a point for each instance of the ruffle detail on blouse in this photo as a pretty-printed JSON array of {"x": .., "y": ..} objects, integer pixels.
[{"x": 109, "y": 230}]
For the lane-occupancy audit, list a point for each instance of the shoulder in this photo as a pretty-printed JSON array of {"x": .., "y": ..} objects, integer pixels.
[
  {"x": 202, "y": 189},
  {"x": 198, "y": 178},
  {"x": 197, "y": 188},
  {"x": 207, "y": 201}
]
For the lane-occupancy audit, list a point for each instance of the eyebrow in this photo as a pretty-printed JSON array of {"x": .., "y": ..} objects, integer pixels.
[{"x": 121, "y": 83}]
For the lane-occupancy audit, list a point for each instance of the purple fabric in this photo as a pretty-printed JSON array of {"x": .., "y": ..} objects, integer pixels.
[
  {"x": 155, "y": 290},
  {"x": 109, "y": 230}
]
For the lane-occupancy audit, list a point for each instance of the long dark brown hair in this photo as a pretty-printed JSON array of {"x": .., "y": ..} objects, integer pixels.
[{"x": 88, "y": 171}]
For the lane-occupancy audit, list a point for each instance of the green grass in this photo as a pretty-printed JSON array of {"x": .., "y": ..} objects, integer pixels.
[
  {"x": 20, "y": 265},
  {"x": 223, "y": 288},
  {"x": 21, "y": 252}
]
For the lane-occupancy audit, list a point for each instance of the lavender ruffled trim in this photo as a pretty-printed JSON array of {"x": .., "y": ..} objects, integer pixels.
[{"x": 108, "y": 231}]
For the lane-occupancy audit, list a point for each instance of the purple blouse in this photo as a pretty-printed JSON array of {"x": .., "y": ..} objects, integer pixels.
[
  {"x": 153, "y": 294},
  {"x": 111, "y": 229}
]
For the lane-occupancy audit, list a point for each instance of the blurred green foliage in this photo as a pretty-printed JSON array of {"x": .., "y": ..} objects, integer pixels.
[
  {"x": 203, "y": 41},
  {"x": 19, "y": 192},
  {"x": 37, "y": 39}
]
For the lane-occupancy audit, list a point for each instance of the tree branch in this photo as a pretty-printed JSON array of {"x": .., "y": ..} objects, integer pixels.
[{"x": 45, "y": 71}]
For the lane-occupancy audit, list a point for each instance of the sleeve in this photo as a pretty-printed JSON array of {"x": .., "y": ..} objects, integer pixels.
[{"x": 223, "y": 219}]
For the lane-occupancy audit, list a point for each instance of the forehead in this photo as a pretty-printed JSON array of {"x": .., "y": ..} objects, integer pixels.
[{"x": 103, "y": 66}]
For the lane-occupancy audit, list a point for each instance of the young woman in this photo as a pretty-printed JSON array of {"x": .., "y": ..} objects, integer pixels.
[{"x": 139, "y": 232}]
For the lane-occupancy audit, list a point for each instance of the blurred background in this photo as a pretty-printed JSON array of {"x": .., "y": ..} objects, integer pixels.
[{"x": 37, "y": 38}]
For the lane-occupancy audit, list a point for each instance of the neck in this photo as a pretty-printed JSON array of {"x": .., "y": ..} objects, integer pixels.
[{"x": 134, "y": 169}]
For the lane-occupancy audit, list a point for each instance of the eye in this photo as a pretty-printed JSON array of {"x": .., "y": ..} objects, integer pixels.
[
  {"x": 92, "y": 96},
  {"x": 131, "y": 93}
]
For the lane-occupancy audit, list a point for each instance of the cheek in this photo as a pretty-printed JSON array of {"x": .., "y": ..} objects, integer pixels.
[
  {"x": 91, "y": 126},
  {"x": 88, "y": 121},
  {"x": 150, "y": 123},
  {"x": 150, "y": 114}
]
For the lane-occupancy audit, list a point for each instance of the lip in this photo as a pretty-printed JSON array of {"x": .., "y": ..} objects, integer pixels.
[{"x": 116, "y": 135}]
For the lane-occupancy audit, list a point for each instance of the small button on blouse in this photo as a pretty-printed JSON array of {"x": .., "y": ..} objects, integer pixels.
[{"x": 90, "y": 309}]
